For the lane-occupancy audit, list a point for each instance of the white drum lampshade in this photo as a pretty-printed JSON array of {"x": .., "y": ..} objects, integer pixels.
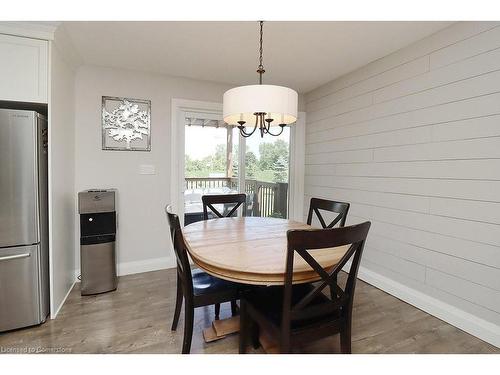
[{"x": 277, "y": 102}]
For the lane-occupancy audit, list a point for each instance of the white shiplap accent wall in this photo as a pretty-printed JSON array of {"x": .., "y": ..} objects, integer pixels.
[{"x": 412, "y": 140}]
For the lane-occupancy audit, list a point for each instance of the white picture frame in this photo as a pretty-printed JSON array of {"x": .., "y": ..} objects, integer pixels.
[{"x": 126, "y": 124}]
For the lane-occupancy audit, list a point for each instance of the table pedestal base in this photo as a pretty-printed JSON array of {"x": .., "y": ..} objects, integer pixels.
[{"x": 221, "y": 328}]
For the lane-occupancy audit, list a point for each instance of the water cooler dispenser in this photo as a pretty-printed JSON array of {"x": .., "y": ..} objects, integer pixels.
[{"x": 97, "y": 241}]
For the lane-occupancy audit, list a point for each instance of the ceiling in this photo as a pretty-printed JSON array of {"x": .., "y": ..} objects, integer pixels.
[{"x": 301, "y": 55}]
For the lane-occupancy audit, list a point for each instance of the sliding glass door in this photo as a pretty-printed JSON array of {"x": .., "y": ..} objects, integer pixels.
[
  {"x": 210, "y": 163},
  {"x": 219, "y": 161},
  {"x": 267, "y": 166}
]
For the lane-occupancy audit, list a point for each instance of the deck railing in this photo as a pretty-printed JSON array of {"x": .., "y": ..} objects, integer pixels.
[{"x": 264, "y": 198}]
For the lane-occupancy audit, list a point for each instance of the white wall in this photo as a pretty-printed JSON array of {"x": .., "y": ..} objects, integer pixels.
[
  {"x": 61, "y": 172},
  {"x": 413, "y": 142},
  {"x": 143, "y": 241}
]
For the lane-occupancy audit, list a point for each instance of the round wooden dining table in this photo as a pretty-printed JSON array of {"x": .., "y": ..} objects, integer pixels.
[{"x": 252, "y": 250}]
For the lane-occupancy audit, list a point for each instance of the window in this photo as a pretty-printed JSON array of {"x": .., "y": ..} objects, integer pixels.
[{"x": 215, "y": 165}]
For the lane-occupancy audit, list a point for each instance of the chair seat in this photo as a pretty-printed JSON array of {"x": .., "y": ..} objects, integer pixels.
[
  {"x": 268, "y": 303},
  {"x": 204, "y": 284}
]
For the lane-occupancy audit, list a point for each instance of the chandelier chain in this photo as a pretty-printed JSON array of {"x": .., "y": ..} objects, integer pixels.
[
  {"x": 260, "y": 69},
  {"x": 261, "y": 42}
]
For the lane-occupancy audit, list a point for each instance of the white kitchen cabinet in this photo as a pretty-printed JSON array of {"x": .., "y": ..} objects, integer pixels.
[{"x": 23, "y": 69}]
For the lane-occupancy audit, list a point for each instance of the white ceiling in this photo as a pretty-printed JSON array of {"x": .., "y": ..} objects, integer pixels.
[{"x": 301, "y": 55}]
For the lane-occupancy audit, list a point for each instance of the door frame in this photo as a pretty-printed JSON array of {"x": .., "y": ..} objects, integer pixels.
[
  {"x": 177, "y": 151},
  {"x": 297, "y": 166}
]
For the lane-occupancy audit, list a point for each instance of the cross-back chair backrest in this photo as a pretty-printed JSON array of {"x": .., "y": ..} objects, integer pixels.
[
  {"x": 183, "y": 267},
  {"x": 210, "y": 200},
  {"x": 304, "y": 243},
  {"x": 340, "y": 208}
]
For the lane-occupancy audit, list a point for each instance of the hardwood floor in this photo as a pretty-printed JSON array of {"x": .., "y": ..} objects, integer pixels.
[{"x": 137, "y": 317}]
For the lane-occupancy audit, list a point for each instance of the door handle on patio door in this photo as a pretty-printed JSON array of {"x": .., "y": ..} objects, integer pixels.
[{"x": 17, "y": 256}]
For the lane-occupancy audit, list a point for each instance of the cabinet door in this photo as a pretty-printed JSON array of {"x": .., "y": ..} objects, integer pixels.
[{"x": 23, "y": 69}]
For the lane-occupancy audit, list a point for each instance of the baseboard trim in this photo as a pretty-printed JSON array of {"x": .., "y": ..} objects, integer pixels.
[
  {"x": 469, "y": 323},
  {"x": 147, "y": 265},
  {"x": 54, "y": 315},
  {"x": 139, "y": 266}
]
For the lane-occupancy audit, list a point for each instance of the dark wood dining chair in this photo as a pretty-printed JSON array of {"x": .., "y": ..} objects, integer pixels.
[
  {"x": 340, "y": 208},
  {"x": 195, "y": 287},
  {"x": 296, "y": 314},
  {"x": 208, "y": 203},
  {"x": 226, "y": 199}
]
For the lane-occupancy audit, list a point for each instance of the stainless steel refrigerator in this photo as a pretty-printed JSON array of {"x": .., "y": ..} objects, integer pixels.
[{"x": 24, "y": 240}]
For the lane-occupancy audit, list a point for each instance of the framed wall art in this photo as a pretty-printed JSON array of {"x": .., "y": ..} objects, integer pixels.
[{"x": 126, "y": 124}]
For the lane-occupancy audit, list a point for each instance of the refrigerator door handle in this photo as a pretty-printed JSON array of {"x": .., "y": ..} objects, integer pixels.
[{"x": 17, "y": 256}]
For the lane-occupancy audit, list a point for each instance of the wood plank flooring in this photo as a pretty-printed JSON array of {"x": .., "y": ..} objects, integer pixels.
[{"x": 137, "y": 317}]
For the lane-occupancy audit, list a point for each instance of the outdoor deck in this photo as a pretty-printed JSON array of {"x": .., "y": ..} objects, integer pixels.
[{"x": 265, "y": 199}]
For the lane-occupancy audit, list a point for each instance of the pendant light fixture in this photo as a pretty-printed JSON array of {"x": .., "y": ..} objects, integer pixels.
[{"x": 261, "y": 106}]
